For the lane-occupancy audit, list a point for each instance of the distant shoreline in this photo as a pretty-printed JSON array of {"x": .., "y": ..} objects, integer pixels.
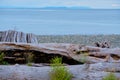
[{"x": 56, "y": 8}]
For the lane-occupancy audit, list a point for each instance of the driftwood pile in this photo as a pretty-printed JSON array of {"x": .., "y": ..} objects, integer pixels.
[
  {"x": 15, "y": 36},
  {"x": 15, "y": 46},
  {"x": 105, "y": 59}
]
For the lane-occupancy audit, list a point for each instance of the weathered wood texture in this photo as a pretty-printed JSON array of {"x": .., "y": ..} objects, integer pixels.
[
  {"x": 72, "y": 51},
  {"x": 95, "y": 72},
  {"x": 15, "y": 36}
]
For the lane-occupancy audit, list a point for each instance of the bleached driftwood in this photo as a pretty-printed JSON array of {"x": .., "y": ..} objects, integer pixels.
[
  {"x": 21, "y": 72},
  {"x": 69, "y": 51},
  {"x": 15, "y": 36}
]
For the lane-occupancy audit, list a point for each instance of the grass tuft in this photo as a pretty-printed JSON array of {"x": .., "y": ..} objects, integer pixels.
[
  {"x": 110, "y": 76},
  {"x": 59, "y": 72},
  {"x": 2, "y": 55},
  {"x": 29, "y": 58}
]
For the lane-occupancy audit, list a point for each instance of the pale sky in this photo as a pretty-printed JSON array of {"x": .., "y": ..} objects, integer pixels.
[{"x": 99, "y": 4}]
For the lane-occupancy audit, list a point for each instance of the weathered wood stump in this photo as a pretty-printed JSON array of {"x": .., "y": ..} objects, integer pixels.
[{"x": 15, "y": 36}]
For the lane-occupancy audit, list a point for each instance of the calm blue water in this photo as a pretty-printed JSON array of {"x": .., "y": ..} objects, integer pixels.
[{"x": 61, "y": 21}]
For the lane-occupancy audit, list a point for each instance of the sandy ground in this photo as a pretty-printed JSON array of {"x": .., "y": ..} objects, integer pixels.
[{"x": 23, "y": 72}]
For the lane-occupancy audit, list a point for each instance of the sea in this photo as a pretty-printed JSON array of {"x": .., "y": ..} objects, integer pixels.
[{"x": 61, "y": 22}]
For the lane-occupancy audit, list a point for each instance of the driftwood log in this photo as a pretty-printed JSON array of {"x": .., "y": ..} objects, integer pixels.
[
  {"x": 71, "y": 53},
  {"x": 15, "y": 36},
  {"x": 95, "y": 72}
]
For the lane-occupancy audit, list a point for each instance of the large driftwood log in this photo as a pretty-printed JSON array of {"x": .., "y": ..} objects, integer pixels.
[
  {"x": 95, "y": 72},
  {"x": 69, "y": 51}
]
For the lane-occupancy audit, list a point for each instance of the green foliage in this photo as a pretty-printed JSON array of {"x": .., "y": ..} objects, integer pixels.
[
  {"x": 2, "y": 55},
  {"x": 56, "y": 62},
  {"x": 59, "y": 72},
  {"x": 29, "y": 64},
  {"x": 110, "y": 76},
  {"x": 29, "y": 57},
  {"x": 5, "y": 63}
]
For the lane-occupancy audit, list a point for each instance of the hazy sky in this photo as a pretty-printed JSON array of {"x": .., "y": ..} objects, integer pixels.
[{"x": 111, "y": 4}]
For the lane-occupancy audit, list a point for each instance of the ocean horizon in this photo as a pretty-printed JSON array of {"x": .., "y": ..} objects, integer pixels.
[{"x": 61, "y": 22}]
